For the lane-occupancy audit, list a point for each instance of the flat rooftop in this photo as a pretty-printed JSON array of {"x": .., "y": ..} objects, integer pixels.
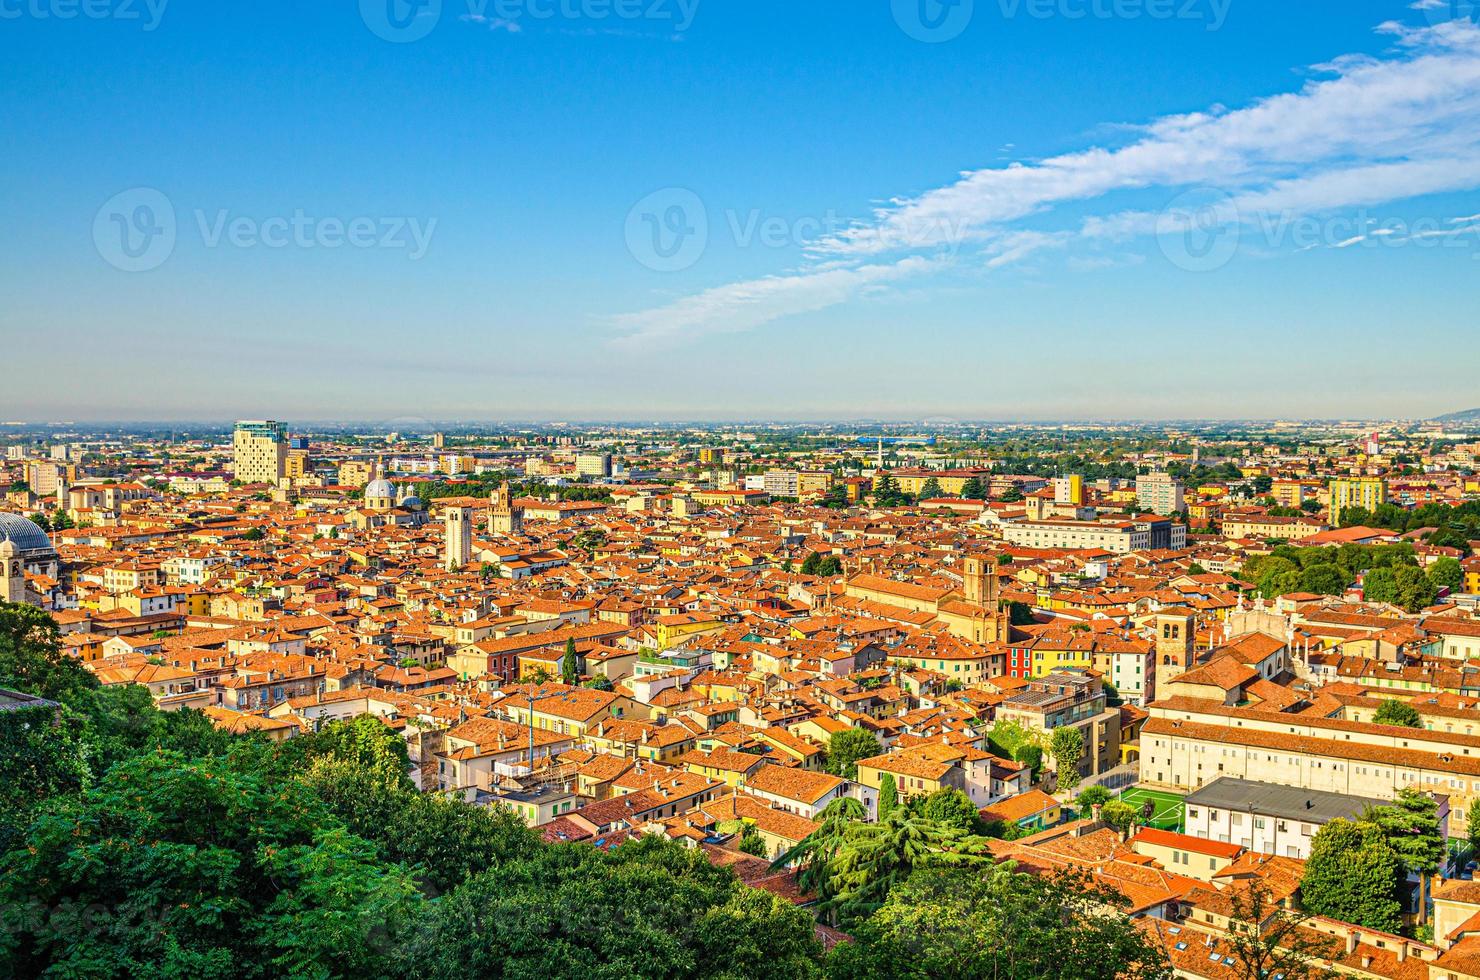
[{"x": 1292, "y": 803}]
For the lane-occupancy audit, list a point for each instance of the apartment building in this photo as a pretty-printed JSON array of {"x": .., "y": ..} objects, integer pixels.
[
  {"x": 1072, "y": 699},
  {"x": 1160, "y": 493},
  {"x": 260, "y": 450},
  {"x": 1368, "y": 493}
]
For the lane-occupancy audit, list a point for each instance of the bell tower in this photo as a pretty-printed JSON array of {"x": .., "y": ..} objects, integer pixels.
[
  {"x": 12, "y": 572},
  {"x": 980, "y": 583}
]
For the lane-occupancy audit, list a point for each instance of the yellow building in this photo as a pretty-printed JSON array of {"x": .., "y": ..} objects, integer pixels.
[
  {"x": 813, "y": 483},
  {"x": 354, "y": 473},
  {"x": 1368, "y": 493},
  {"x": 671, "y": 630},
  {"x": 295, "y": 467},
  {"x": 260, "y": 451}
]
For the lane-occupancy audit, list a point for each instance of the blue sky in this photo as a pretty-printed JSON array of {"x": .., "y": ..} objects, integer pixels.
[{"x": 723, "y": 209}]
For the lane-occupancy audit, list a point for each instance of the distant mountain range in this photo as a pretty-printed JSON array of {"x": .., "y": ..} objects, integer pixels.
[{"x": 1469, "y": 415}]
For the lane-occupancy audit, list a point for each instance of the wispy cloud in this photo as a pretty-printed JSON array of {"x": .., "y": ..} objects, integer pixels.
[{"x": 1362, "y": 131}]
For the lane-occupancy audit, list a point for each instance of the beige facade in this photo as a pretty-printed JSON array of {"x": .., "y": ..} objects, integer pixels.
[{"x": 260, "y": 450}]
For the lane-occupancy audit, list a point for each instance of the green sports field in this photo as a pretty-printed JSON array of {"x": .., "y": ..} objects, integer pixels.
[{"x": 1168, "y": 814}]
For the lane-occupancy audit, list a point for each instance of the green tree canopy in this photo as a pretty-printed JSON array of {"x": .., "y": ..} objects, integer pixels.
[
  {"x": 999, "y": 924},
  {"x": 1395, "y": 712},
  {"x": 1352, "y": 874},
  {"x": 845, "y": 748}
]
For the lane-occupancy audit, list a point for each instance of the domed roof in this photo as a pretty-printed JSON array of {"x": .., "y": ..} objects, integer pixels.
[
  {"x": 412, "y": 502},
  {"x": 29, "y": 539},
  {"x": 380, "y": 488}
]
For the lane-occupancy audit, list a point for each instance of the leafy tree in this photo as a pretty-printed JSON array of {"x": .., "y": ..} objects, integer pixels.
[
  {"x": 830, "y": 566},
  {"x": 1352, "y": 875},
  {"x": 996, "y": 924},
  {"x": 1271, "y": 940},
  {"x": 845, "y": 748},
  {"x": 31, "y": 657},
  {"x": 1380, "y": 585},
  {"x": 1394, "y": 712},
  {"x": 751, "y": 841},
  {"x": 444, "y": 839},
  {"x": 1119, "y": 814},
  {"x": 649, "y": 908},
  {"x": 810, "y": 563},
  {"x": 931, "y": 489},
  {"x": 888, "y": 795},
  {"x": 874, "y": 857},
  {"x": 1092, "y": 796},
  {"x": 1411, "y": 825},
  {"x": 953, "y": 808},
  {"x": 173, "y": 867},
  {"x": 814, "y": 854},
  {"x": 1415, "y": 591},
  {"x": 973, "y": 489},
  {"x": 1323, "y": 580},
  {"x": 1020, "y": 613},
  {"x": 1278, "y": 576},
  {"x": 570, "y": 667},
  {"x": 1447, "y": 573},
  {"x": 1067, "y": 747}
]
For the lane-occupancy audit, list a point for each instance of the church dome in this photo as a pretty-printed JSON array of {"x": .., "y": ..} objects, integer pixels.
[
  {"x": 412, "y": 502},
  {"x": 379, "y": 488},
  {"x": 29, "y": 540}
]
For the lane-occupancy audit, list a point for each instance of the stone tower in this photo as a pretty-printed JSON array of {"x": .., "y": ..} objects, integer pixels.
[
  {"x": 980, "y": 584},
  {"x": 12, "y": 572},
  {"x": 459, "y": 547},
  {"x": 1176, "y": 640},
  {"x": 503, "y": 517}
]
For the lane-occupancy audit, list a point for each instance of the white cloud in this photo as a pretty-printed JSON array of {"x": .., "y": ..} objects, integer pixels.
[
  {"x": 745, "y": 305},
  {"x": 1367, "y": 131}
]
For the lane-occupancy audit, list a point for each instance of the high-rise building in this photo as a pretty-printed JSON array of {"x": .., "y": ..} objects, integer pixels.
[
  {"x": 1366, "y": 492},
  {"x": 459, "y": 547},
  {"x": 1159, "y": 492},
  {"x": 1069, "y": 490},
  {"x": 594, "y": 464},
  {"x": 261, "y": 451},
  {"x": 780, "y": 483}
]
